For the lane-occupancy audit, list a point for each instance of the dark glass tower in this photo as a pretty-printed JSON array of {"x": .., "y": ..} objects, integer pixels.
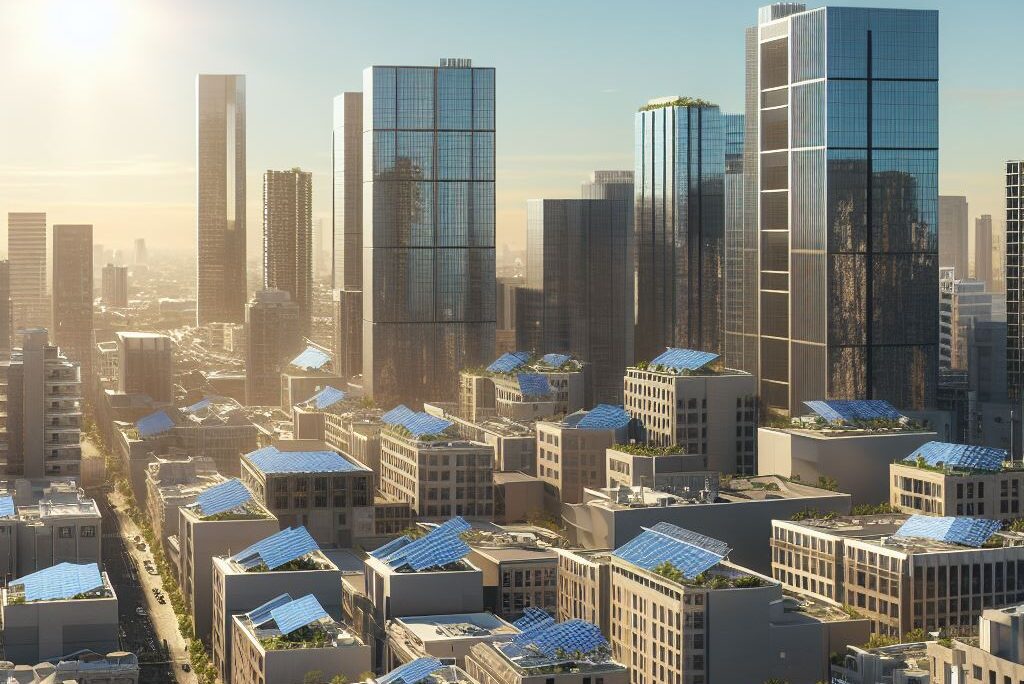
[
  {"x": 288, "y": 238},
  {"x": 1014, "y": 297},
  {"x": 347, "y": 244},
  {"x": 739, "y": 344},
  {"x": 72, "y": 294},
  {"x": 428, "y": 232},
  {"x": 847, "y": 203},
  {"x": 680, "y": 217}
]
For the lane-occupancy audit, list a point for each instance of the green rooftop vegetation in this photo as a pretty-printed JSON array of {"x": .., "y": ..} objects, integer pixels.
[
  {"x": 303, "y": 563},
  {"x": 713, "y": 368},
  {"x": 649, "y": 449},
  {"x": 712, "y": 581},
  {"x": 681, "y": 101},
  {"x": 310, "y": 636}
]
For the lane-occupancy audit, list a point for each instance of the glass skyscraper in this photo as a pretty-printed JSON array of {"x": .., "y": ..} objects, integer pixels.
[
  {"x": 739, "y": 341},
  {"x": 428, "y": 228},
  {"x": 1014, "y": 289},
  {"x": 848, "y": 150},
  {"x": 679, "y": 223}
]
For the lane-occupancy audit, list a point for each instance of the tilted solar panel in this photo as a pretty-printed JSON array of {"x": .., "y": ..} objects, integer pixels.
[
  {"x": 531, "y": 616},
  {"x": 683, "y": 359},
  {"x": 604, "y": 417},
  {"x": 61, "y": 581},
  {"x": 687, "y": 551},
  {"x": 508, "y": 362},
  {"x": 277, "y": 549},
  {"x": 222, "y": 497},
  {"x": 553, "y": 639},
  {"x": 413, "y": 672},
  {"x": 261, "y": 615},
  {"x": 851, "y": 410},
  {"x": 272, "y": 461},
  {"x": 963, "y": 531},
  {"x": 325, "y": 398},
  {"x": 555, "y": 360},
  {"x": 426, "y": 424},
  {"x": 311, "y": 359},
  {"x": 965, "y": 456},
  {"x": 198, "y": 406},
  {"x": 6, "y": 506},
  {"x": 154, "y": 424},
  {"x": 534, "y": 384},
  {"x": 299, "y": 613},
  {"x": 390, "y": 547},
  {"x": 398, "y": 415},
  {"x": 439, "y": 547},
  {"x": 690, "y": 537}
]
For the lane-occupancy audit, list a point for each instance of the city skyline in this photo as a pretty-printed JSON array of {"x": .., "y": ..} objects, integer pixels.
[{"x": 88, "y": 166}]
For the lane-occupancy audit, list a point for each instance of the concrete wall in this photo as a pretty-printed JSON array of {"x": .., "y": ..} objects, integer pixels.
[
  {"x": 42, "y": 630},
  {"x": 252, "y": 665}
]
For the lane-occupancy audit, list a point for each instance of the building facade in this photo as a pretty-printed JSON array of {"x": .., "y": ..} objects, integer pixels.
[
  {"x": 1014, "y": 281},
  {"x": 72, "y": 294},
  {"x": 347, "y": 243},
  {"x": 114, "y": 286},
  {"x": 953, "y": 234},
  {"x": 984, "y": 245},
  {"x": 145, "y": 365},
  {"x": 288, "y": 238},
  {"x": 272, "y": 336},
  {"x": 739, "y": 320},
  {"x": 26, "y": 251}
]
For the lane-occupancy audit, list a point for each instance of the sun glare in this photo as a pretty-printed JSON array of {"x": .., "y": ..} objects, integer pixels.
[{"x": 82, "y": 27}]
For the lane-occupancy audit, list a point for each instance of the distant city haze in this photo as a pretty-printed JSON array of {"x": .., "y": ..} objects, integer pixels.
[{"x": 99, "y": 125}]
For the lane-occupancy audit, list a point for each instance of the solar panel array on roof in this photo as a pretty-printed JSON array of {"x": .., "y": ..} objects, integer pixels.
[
  {"x": 272, "y": 461},
  {"x": 261, "y": 615},
  {"x": 555, "y": 360},
  {"x": 154, "y": 424},
  {"x": 683, "y": 359},
  {"x": 966, "y": 456},
  {"x": 851, "y": 410},
  {"x": 6, "y": 506},
  {"x": 413, "y": 672},
  {"x": 963, "y": 531},
  {"x": 554, "y": 640},
  {"x": 689, "y": 552},
  {"x": 62, "y": 581},
  {"x": 604, "y": 417},
  {"x": 299, "y": 613},
  {"x": 198, "y": 406},
  {"x": 418, "y": 423},
  {"x": 534, "y": 384},
  {"x": 311, "y": 359},
  {"x": 390, "y": 547},
  {"x": 531, "y": 617},
  {"x": 277, "y": 549},
  {"x": 222, "y": 497},
  {"x": 439, "y": 547},
  {"x": 327, "y": 397},
  {"x": 508, "y": 362}
]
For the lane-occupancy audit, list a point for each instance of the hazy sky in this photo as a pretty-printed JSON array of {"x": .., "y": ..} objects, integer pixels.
[{"x": 97, "y": 122}]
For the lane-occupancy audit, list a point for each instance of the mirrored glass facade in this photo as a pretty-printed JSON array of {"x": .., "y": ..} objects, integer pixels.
[
  {"x": 347, "y": 272},
  {"x": 1014, "y": 285},
  {"x": 428, "y": 228},
  {"x": 739, "y": 341},
  {"x": 680, "y": 228},
  {"x": 847, "y": 206}
]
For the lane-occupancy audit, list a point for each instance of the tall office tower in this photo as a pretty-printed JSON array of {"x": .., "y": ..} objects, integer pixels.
[
  {"x": 963, "y": 304},
  {"x": 42, "y": 434},
  {"x": 321, "y": 258},
  {"x": 428, "y": 300},
  {"x": 220, "y": 198},
  {"x": 1014, "y": 287},
  {"x": 288, "y": 238},
  {"x": 97, "y": 258},
  {"x": 680, "y": 214},
  {"x": 141, "y": 253},
  {"x": 114, "y": 285},
  {"x": 953, "y": 236},
  {"x": 580, "y": 278},
  {"x": 612, "y": 185},
  {"x": 272, "y": 337},
  {"x": 848, "y": 139},
  {"x": 347, "y": 234},
  {"x": 26, "y": 250},
  {"x": 145, "y": 365},
  {"x": 983, "y": 249},
  {"x": 72, "y": 294},
  {"x": 739, "y": 338},
  {"x": 6, "y": 313}
]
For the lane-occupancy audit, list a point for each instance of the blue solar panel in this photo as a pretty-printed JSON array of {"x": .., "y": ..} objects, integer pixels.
[
  {"x": 223, "y": 497},
  {"x": 327, "y": 397},
  {"x": 439, "y": 547},
  {"x": 154, "y": 424},
  {"x": 555, "y": 360},
  {"x": 531, "y": 617},
  {"x": 6, "y": 506},
  {"x": 62, "y": 581},
  {"x": 557, "y": 640},
  {"x": 198, "y": 406},
  {"x": 272, "y": 461},
  {"x": 390, "y": 547},
  {"x": 417, "y": 423},
  {"x": 689, "y": 552},
  {"x": 508, "y": 362},
  {"x": 683, "y": 359},
  {"x": 398, "y": 415},
  {"x": 534, "y": 384},
  {"x": 965, "y": 456},
  {"x": 277, "y": 549},
  {"x": 850, "y": 410},
  {"x": 604, "y": 417},
  {"x": 311, "y": 359},
  {"x": 413, "y": 672},
  {"x": 261, "y": 615},
  {"x": 964, "y": 531},
  {"x": 298, "y": 613}
]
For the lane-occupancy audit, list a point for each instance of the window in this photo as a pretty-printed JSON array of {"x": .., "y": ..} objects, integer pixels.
[
  {"x": 66, "y": 532},
  {"x": 88, "y": 530}
]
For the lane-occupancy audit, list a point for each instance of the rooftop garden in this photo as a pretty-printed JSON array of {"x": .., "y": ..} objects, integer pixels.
[
  {"x": 403, "y": 432},
  {"x": 681, "y": 101},
  {"x": 706, "y": 579},
  {"x": 304, "y": 563},
  {"x": 713, "y": 368},
  {"x": 247, "y": 511},
  {"x": 649, "y": 449},
  {"x": 310, "y": 636}
]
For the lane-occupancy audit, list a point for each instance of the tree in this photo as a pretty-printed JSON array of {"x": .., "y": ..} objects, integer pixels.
[
  {"x": 313, "y": 677},
  {"x": 339, "y": 679}
]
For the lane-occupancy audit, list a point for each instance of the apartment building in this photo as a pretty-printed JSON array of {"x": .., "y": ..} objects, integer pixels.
[
  {"x": 523, "y": 387},
  {"x": 634, "y": 465},
  {"x": 686, "y": 397},
  {"x": 447, "y": 637},
  {"x": 437, "y": 473},
  {"x": 902, "y": 573},
  {"x": 307, "y": 374},
  {"x": 172, "y": 483},
  {"x": 584, "y": 587},
  {"x": 514, "y": 442},
  {"x": 304, "y": 482},
  {"x": 426, "y": 671},
  {"x": 848, "y": 444},
  {"x": 519, "y": 571},
  {"x": 957, "y": 479}
]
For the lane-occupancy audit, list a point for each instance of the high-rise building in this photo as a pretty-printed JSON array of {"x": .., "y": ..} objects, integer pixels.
[
  {"x": 983, "y": 250},
  {"x": 739, "y": 320},
  {"x": 428, "y": 299},
  {"x": 579, "y": 271},
  {"x": 141, "y": 253},
  {"x": 679, "y": 225},
  {"x": 847, "y": 204},
  {"x": 953, "y": 252},
  {"x": 114, "y": 285},
  {"x": 962, "y": 304},
  {"x": 272, "y": 337},
  {"x": 1014, "y": 284},
  {"x": 347, "y": 234},
  {"x": 146, "y": 365},
  {"x": 288, "y": 238},
  {"x": 220, "y": 201},
  {"x": 6, "y": 312},
  {"x": 72, "y": 294},
  {"x": 42, "y": 423},
  {"x": 26, "y": 250}
]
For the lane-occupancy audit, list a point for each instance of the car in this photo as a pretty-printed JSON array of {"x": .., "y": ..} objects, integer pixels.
[{"x": 140, "y": 611}]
